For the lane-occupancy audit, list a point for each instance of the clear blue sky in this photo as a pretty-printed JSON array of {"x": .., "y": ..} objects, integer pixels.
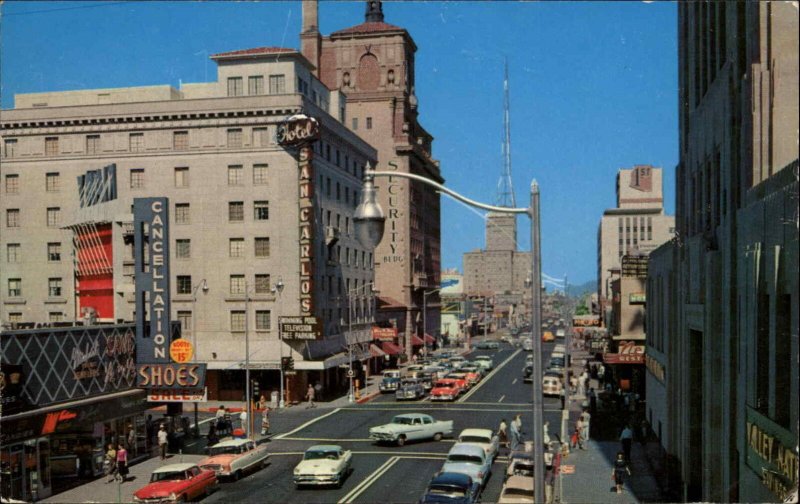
[{"x": 593, "y": 89}]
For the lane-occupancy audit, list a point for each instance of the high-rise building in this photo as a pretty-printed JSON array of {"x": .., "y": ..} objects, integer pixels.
[
  {"x": 637, "y": 224},
  {"x": 722, "y": 323},
  {"x": 373, "y": 63}
]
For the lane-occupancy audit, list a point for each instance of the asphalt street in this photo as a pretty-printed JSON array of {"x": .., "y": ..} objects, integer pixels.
[{"x": 390, "y": 473}]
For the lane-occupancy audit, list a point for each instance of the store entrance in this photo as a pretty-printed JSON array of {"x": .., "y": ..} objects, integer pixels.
[{"x": 25, "y": 469}]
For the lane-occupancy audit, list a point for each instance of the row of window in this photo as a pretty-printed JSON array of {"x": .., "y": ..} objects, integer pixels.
[
  {"x": 367, "y": 123},
  {"x": 235, "y": 173},
  {"x": 16, "y": 317},
  {"x": 235, "y": 211},
  {"x": 53, "y": 217},
  {"x": 255, "y": 85},
  {"x": 14, "y": 252},
  {"x": 54, "y": 287},
  {"x": 236, "y": 247},
  {"x": 52, "y": 182}
]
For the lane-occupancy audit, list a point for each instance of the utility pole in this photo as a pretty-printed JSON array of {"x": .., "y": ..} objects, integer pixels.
[{"x": 536, "y": 333}]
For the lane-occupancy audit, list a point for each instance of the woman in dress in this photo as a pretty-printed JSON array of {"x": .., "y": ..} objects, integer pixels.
[
  {"x": 122, "y": 463},
  {"x": 110, "y": 463},
  {"x": 620, "y": 471},
  {"x": 502, "y": 433}
]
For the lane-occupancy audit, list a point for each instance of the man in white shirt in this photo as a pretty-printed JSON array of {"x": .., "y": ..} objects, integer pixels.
[{"x": 162, "y": 441}]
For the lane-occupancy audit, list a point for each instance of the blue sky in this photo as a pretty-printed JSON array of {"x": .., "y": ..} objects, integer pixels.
[{"x": 593, "y": 89}]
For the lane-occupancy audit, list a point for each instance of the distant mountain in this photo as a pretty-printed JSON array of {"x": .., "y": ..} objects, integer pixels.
[{"x": 581, "y": 289}]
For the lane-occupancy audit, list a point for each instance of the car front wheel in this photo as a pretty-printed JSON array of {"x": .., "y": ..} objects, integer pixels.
[
  {"x": 437, "y": 436},
  {"x": 401, "y": 441}
]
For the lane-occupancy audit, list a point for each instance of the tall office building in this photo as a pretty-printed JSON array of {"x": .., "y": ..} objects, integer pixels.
[{"x": 723, "y": 296}]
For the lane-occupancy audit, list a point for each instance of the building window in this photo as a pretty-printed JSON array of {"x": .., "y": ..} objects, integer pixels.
[
  {"x": 338, "y": 192},
  {"x": 12, "y": 252},
  {"x": 235, "y": 175},
  {"x": 260, "y": 174},
  {"x": 56, "y": 316},
  {"x": 137, "y": 178},
  {"x": 180, "y": 140},
  {"x": 92, "y": 144},
  {"x": 235, "y": 86},
  {"x": 237, "y": 284},
  {"x": 261, "y": 210},
  {"x": 53, "y": 216},
  {"x": 51, "y": 183},
  {"x": 185, "y": 318},
  {"x": 182, "y": 213},
  {"x": 182, "y": 176},
  {"x": 136, "y": 142},
  {"x": 15, "y": 317},
  {"x": 12, "y": 217},
  {"x": 355, "y": 123},
  {"x": 277, "y": 84},
  {"x": 263, "y": 320},
  {"x": 11, "y": 147},
  {"x": 51, "y": 146},
  {"x": 255, "y": 85},
  {"x": 369, "y": 123},
  {"x": 184, "y": 284},
  {"x": 237, "y": 321},
  {"x": 54, "y": 252},
  {"x": 263, "y": 284},
  {"x": 261, "y": 137},
  {"x": 236, "y": 247},
  {"x": 54, "y": 287},
  {"x": 183, "y": 248},
  {"x": 262, "y": 247},
  {"x": 235, "y": 138},
  {"x": 12, "y": 183},
  {"x": 14, "y": 287},
  {"x": 235, "y": 211}
]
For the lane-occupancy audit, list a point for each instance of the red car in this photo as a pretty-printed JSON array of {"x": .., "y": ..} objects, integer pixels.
[
  {"x": 177, "y": 483},
  {"x": 447, "y": 389}
]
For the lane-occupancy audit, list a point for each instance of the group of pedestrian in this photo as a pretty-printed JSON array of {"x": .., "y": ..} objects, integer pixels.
[
  {"x": 510, "y": 437},
  {"x": 116, "y": 463}
]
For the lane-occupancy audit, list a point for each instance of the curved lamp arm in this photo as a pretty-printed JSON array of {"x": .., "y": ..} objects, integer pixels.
[{"x": 450, "y": 192}]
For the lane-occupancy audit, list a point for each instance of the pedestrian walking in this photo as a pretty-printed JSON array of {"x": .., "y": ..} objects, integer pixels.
[
  {"x": 584, "y": 434},
  {"x": 110, "y": 463},
  {"x": 578, "y": 434},
  {"x": 243, "y": 419},
  {"x": 220, "y": 416},
  {"x": 163, "y": 438},
  {"x": 563, "y": 396},
  {"x": 502, "y": 433},
  {"x": 514, "y": 430},
  {"x": 626, "y": 438},
  {"x": 546, "y": 428},
  {"x": 549, "y": 474},
  {"x": 122, "y": 463},
  {"x": 620, "y": 471},
  {"x": 601, "y": 372},
  {"x": 265, "y": 422},
  {"x": 310, "y": 395},
  {"x": 212, "y": 435}
]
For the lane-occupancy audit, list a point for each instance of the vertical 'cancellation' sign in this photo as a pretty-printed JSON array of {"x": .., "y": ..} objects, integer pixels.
[{"x": 151, "y": 254}]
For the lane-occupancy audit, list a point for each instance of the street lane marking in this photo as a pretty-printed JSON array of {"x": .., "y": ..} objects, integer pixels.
[
  {"x": 349, "y": 440},
  {"x": 513, "y": 382},
  {"x": 501, "y": 398},
  {"x": 310, "y": 422},
  {"x": 488, "y": 377},
  {"x": 368, "y": 481},
  {"x": 430, "y": 405},
  {"x": 456, "y": 407}
]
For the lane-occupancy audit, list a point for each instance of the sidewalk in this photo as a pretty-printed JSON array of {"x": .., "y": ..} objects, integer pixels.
[{"x": 100, "y": 491}]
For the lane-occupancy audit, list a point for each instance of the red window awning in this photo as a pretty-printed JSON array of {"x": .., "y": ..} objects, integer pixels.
[
  {"x": 416, "y": 340},
  {"x": 375, "y": 351},
  {"x": 391, "y": 348},
  {"x": 430, "y": 339}
]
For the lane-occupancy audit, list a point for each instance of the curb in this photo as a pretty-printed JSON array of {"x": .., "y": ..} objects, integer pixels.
[{"x": 367, "y": 397}]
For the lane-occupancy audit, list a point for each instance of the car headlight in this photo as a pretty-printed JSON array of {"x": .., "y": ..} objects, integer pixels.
[
  {"x": 173, "y": 497},
  {"x": 297, "y": 470}
]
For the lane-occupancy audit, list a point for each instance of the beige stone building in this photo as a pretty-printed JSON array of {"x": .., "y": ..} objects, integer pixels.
[
  {"x": 234, "y": 213},
  {"x": 723, "y": 296},
  {"x": 373, "y": 63},
  {"x": 637, "y": 224}
]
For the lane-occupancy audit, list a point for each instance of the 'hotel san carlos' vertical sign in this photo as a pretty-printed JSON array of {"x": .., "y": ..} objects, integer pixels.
[
  {"x": 151, "y": 240},
  {"x": 301, "y": 131}
]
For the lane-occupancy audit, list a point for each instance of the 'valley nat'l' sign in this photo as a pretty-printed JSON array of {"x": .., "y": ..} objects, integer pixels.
[{"x": 155, "y": 368}]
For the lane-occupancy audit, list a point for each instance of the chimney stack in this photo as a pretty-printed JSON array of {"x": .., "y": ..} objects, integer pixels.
[{"x": 310, "y": 39}]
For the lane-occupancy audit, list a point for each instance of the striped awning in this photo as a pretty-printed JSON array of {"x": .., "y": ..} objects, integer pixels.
[
  {"x": 375, "y": 351},
  {"x": 391, "y": 348}
]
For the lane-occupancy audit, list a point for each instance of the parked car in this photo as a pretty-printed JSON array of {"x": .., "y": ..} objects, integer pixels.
[
  {"x": 527, "y": 345},
  {"x": 487, "y": 345},
  {"x": 527, "y": 373},
  {"x": 451, "y": 488},
  {"x": 469, "y": 459},
  {"x": 485, "y": 438},
  {"x": 323, "y": 465},
  {"x": 460, "y": 375},
  {"x": 177, "y": 483},
  {"x": 233, "y": 457},
  {"x": 484, "y": 361},
  {"x": 456, "y": 361},
  {"x": 517, "y": 490},
  {"x": 411, "y": 427},
  {"x": 447, "y": 389},
  {"x": 559, "y": 348},
  {"x": 551, "y": 385},
  {"x": 519, "y": 463},
  {"x": 561, "y": 333},
  {"x": 547, "y": 336},
  {"x": 473, "y": 372},
  {"x": 410, "y": 388},
  {"x": 389, "y": 384}
]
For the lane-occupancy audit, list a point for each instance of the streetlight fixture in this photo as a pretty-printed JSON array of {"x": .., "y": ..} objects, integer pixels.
[
  {"x": 277, "y": 289},
  {"x": 350, "y": 299},
  {"x": 425, "y": 320},
  {"x": 370, "y": 222},
  {"x": 200, "y": 285}
]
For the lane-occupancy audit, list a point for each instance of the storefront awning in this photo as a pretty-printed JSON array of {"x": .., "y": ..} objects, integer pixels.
[
  {"x": 375, "y": 351},
  {"x": 430, "y": 339},
  {"x": 416, "y": 340},
  {"x": 391, "y": 348}
]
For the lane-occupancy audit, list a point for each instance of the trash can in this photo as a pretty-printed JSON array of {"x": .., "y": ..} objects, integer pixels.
[{"x": 273, "y": 399}]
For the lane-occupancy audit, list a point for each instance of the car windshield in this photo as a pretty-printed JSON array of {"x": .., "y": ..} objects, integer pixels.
[
  {"x": 402, "y": 420},
  {"x": 467, "y": 459},
  {"x": 474, "y": 439},
  {"x": 523, "y": 492},
  {"x": 448, "y": 491},
  {"x": 320, "y": 454},
  {"x": 168, "y": 476},
  {"x": 222, "y": 450}
]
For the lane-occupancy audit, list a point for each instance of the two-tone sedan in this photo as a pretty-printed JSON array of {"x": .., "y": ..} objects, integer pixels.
[
  {"x": 177, "y": 483},
  {"x": 451, "y": 488},
  {"x": 323, "y": 465},
  {"x": 447, "y": 389},
  {"x": 411, "y": 427},
  {"x": 485, "y": 438},
  {"x": 469, "y": 459},
  {"x": 410, "y": 389},
  {"x": 233, "y": 457}
]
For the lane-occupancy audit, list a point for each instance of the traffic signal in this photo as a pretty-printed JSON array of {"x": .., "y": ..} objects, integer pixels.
[
  {"x": 291, "y": 363},
  {"x": 287, "y": 363},
  {"x": 256, "y": 390}
]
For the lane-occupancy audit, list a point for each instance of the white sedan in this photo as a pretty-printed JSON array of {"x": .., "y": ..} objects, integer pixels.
[
  {"x": 323, "y": 465},
  {"x": 485, "y": 438}
]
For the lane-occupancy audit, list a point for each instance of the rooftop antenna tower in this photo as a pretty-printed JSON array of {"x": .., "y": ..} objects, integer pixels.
[{"x": 505, "y": 189}]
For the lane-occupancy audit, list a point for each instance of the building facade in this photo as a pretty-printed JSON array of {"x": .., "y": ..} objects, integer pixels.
[
  {"x": 373, "y": 63},
  {"x": 725, "y": 291},
  {"x": 259, "y": 228},
  {"x": 637, "y": 224}
]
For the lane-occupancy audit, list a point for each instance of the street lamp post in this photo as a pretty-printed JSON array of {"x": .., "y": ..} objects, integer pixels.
[
  {"x": 204, "y": 285},
  {"x": 370, "y": 221},
  {"x": 350, "y": 372},
  {"x": 277, "y": 289},
  {"x": 425, "y": 320},
  {"x": 247, "y": 388}
]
